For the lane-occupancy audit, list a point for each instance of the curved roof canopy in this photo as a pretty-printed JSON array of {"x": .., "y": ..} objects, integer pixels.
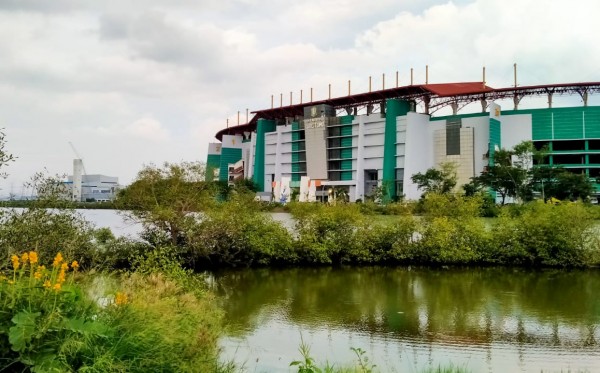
[{"x": 434, "y": 96}]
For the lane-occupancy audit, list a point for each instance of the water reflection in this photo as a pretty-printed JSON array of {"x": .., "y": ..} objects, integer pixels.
[{"x": 492, "y": 311}]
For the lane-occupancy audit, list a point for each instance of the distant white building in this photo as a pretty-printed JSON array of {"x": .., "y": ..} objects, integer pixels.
[{"x": 95, "y": 188}]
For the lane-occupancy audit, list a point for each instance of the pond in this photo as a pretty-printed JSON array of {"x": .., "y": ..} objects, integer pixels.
[{"x": 410, "y": 319}]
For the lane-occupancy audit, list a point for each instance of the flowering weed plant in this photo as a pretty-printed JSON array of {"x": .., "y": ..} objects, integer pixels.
[{"x": 40, "y": 309}]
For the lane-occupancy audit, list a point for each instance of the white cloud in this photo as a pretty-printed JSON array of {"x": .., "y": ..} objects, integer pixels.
[
  {"x": 149, "y": 129},
  {"x": 151, "y": 81}
]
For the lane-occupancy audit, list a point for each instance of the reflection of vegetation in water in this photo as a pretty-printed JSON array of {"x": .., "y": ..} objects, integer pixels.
[{"x": 549, "y": 307}]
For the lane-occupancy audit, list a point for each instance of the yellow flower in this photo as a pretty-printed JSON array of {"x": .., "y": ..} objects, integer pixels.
[
  {"x": 57, "y": 260},
  {"x": 15, "y": 261},
  {"x": 39, "y": 272},
  {"x": 47, "y": 284},
  {"x": 11, "y": 282},
  {"x": 61, "y": 275},
  {"x": 33, "y": 257},
  {"x": 121, "y": 298},
  {"x": 24, "y": 258},
  {"x": 57, "y": 286},
  {"x": 75, "y": 265}
]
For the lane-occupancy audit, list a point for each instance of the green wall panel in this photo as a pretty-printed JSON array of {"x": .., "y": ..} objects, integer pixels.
[
  {"x": 592, "y": 122},
  {"x": 346, "y": 141},
  {"x": 495, "y": 138},
  {"x": 346, "y": 119},
  {"x": 262, "y": 127},
  {"x": 346, "y": 175},
  {"x": 228, "y": 155},
  {"x": 568, "y": 124},
  {"x": 296, "y": 146},
  {"x": 541, "y": 124},
  {"x": 346, "y": 164},
  {"x": 346, "y": 153},
  {"x": 213, "y": 161},
  {"x": 394, "y": 109},
  {"x": 346, "y": 130}
]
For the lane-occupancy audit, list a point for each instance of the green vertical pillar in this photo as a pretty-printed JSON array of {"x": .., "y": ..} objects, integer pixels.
[
  {"x": 262, "y": 127},
  {"x": 394, "y": 109},
  {"x": 587, "y": 159},
  {"x": 495, "y": 139}
]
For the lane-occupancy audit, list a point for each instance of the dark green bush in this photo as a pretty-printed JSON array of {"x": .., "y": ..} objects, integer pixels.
[
  {"x": 386, "y": 243},
  {"x": 447, "y": 240},
  {"x": 47, "y": 231},
  {"x": 544, "y": 234},
  {"x": 233, "y": 235},
  {"x": 329, "y": 234}
]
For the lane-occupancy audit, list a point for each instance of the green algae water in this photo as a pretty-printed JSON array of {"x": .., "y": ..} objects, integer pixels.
[{"x": 411, "y": 319}]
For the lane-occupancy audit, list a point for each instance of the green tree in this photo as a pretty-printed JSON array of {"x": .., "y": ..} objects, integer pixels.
[
  {"x": 440, "y": 180},
  {"x": 572, "y": 186},
  {"x": 509, "y": 175},
  {"x": 544, "y": 180},
  {"x": 164, "y": 199},
  {"x": 555, "y": 181},
  {"x": 5, "y": 158}
]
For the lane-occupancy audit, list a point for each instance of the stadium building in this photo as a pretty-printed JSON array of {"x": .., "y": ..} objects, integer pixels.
[{"x": 355, "y": 143}]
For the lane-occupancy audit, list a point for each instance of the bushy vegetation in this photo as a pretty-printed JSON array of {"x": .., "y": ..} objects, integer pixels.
[
  {"x": 237, "y": 234},
  {"x": 543, "y": 234},
  {"x": 449, "y": 229}
]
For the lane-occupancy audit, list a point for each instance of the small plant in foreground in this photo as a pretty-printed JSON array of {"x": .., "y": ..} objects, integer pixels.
[
  {"x": 48, "y": 323},
  {"x": 307, "y": 364},
  {"x": 39, "y": 309},
  {"x": 363, "y": 360}
]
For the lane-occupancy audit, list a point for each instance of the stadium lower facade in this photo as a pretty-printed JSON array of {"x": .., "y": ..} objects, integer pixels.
[{"x": 322, "y": 146}]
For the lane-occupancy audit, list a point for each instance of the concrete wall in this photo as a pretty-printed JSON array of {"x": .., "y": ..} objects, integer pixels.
[
  {"x": 419, "y": 152},
  {"x": 315, "y": 130},
  {"x": 515, "y": 129},
  {"x": 481, "y": 130}
]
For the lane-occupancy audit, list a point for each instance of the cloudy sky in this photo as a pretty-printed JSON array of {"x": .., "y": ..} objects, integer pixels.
[{"x": 146, "y": 81}]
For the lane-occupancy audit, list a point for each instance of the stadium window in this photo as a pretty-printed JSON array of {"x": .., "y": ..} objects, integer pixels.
[
  {"x": 594, "y": 144},
  {"x": 566, "y": 145},
  {"x": 453, "y": 138}
]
